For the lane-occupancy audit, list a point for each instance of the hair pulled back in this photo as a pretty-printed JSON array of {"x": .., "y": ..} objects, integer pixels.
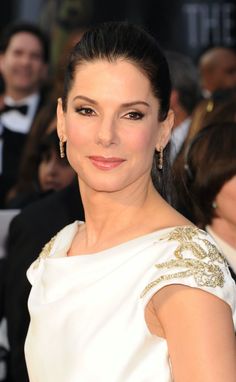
[
  {"x": 115, "y": 40},
  {"x": 122, "y": 40}
]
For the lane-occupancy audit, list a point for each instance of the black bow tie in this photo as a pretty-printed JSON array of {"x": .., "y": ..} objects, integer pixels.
[{"x": 22, "y": 108}]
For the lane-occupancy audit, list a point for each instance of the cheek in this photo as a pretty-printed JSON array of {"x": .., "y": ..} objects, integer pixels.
[
  {"x": 142, "y": 143},
  {"x": 77, "y": 135},
  {"x": 65, "y": 170},
  {"x": 226, "y": 198},
  {"x": 10, "y": 62},
  {"x": 228, "y": 190},
  {"x": 77, "y": 143},
  {"x": 5, "y": 67}
]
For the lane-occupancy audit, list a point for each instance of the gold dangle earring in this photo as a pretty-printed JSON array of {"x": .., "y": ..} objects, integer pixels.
[
  {"x": 160, "y": 158},
  {"x": 62, "y": 151}
]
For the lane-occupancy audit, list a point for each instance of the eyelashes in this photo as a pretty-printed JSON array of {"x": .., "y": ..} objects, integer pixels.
[
  {"x": 134, "y": 115},
  {"x": 86, "y": 111},
  {"x": 89, "y": 112}
]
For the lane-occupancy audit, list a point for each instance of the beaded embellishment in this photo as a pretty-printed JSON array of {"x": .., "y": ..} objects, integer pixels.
[
  {"x": 45, "y": 252},
  {"x": 203, "y": 266}
]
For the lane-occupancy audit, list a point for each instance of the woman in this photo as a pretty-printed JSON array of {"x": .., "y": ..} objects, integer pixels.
[
  {"x": 221, "y": 108},
  {"x": 213, "y": 196},
  {"x": 111, "y": 298}
]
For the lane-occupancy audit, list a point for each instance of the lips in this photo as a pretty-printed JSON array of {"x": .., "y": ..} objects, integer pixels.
[{"x": 106, "y": 164}]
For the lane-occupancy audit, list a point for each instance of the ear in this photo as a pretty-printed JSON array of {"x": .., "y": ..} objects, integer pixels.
[
  {"x": 165, "y": 129},
  {"x": 61, "y": 130}
]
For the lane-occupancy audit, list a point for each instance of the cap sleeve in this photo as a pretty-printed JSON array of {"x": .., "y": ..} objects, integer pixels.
[
  {"x": 45, "y": 252},
  {"x": 191, "y": 258}
]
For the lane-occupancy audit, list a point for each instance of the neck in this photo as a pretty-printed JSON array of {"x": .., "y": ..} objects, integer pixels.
[
  {"x": 120, "y": 213},
  {"x": 225, "y": 230}
]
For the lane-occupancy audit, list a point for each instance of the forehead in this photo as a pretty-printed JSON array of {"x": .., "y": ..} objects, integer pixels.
[
  {"x": 25, "y": 40},
  {"x": 121, "y": 75}
]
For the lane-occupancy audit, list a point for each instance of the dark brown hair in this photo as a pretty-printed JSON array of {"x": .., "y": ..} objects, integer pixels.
[
  {"x": 28, "y": 169},
  {"x": 26, "y": 27},
  {"x": 209, "y": 163},
  {"x": 114, "y": 40}
]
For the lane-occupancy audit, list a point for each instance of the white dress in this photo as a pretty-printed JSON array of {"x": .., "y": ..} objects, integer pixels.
[{"x": 87, "y": 311}]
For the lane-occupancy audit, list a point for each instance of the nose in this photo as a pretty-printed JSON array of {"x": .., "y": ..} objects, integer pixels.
[
  {"x": 25, "y": 59},
  {"x": 107, "y": 132}
]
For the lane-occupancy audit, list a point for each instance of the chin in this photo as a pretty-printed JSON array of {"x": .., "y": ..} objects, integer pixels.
[{"x": 106, "y": 186}]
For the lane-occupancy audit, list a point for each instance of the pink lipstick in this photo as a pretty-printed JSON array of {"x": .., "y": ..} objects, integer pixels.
[{"x": 106, "y": 164}]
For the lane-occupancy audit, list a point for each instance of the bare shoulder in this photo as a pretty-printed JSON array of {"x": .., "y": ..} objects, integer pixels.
[
  {"x": 171, "y": 217},
  {"x": 190, "y": 316},
  {"x": 186, "y": 298}
]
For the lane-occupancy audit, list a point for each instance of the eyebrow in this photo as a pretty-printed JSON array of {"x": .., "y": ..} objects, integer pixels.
[
  {"x": 90, "y": 100},
  {"x": 126, "y": 104}
]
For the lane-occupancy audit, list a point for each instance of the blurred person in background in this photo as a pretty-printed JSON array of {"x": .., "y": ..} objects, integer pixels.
[
  {"x": 222, "y": 110},
  {"x": 217, "y": 68},
  {"x": 24, "y": 65},
  {"x": 185, "y": 95},
  {"x": 52, "y": 173},
  {"x": 209, "y": 191}
]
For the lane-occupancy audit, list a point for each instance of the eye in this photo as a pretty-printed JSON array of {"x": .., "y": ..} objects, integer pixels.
[
  {"x": 87, "y": 111},
  {"x": 36, "y": 56},
  {"x": 17, "y": 52},
  {"x": 134, "y": 115}
]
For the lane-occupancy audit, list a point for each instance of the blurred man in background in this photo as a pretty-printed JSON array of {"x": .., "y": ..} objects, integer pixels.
[
  {"x": 23, "y": 64},
  {"x": 217, "y": 68},
  {"x": 185, "y": 95}
]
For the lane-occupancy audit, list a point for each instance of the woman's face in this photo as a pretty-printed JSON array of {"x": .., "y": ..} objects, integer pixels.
[
  {"x": 111, "y": 125},
  {"x": 226, "y": 202},
  {"x": 54, "y": 173}
]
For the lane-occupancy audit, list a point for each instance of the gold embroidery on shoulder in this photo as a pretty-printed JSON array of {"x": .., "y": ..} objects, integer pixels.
[
  {"x": 203, "y": 267},
  {"x": 45, "y": 252}
]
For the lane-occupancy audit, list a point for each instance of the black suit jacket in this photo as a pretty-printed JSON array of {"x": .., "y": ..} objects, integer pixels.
[{"x": 29, "y": 232}]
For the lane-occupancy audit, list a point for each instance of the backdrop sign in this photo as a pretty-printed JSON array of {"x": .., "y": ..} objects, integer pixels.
[
  {"x": 209, "y": 24},
  {"x": 192, "y": 26}
]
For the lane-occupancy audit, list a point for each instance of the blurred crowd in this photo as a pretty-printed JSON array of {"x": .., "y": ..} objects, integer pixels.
[{"x": 41, "y": 188}]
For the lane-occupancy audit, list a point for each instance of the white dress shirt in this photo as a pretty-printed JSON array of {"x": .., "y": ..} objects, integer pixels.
[{"x": 15, "y": 121}]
